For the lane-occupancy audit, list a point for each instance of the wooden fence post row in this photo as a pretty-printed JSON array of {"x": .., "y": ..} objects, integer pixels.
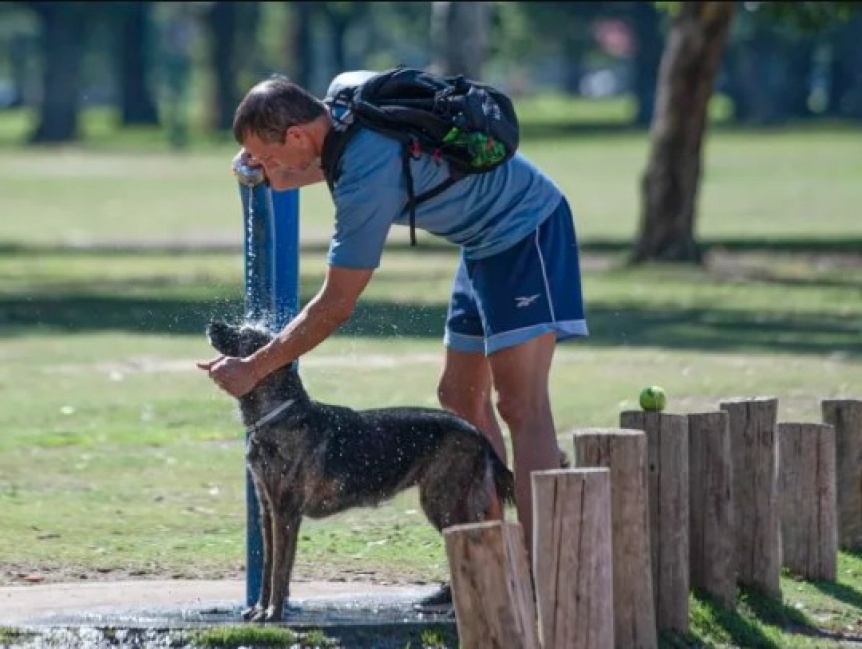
[{"x": 663, "y": 505}]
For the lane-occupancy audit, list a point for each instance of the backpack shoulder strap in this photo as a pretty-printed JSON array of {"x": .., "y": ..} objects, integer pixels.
[{"x": 333, "y": 147}]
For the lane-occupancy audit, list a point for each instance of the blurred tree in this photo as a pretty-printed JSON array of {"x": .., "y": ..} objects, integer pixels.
[
  {"x": 135, "y": 65},
  {"x": 399, "y": 33},
  {"x": 646, "y": 21},
  {"x": 568, "y": 25},
  {"x": 459, "y": 36},
  {"x": 694, "y": 48},
  {"x": 175, "y": 55},
  {"x": 64, "y": 27},
  {"x": 18, "y": 45},
  {"x": 301, "y": 53},
  {"x": 768, "y": 66},
  {"x": 232, "y": 27},
  {"x": 691, "y": 59},
  {"x": 340, "y": 18},
  {"x": 844, "y": 98}
]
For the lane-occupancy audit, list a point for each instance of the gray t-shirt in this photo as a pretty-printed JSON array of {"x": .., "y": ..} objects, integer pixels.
[{"x": 483, "y": 213}]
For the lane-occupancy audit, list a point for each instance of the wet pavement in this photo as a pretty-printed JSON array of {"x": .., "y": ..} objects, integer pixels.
[{"x": 149, "y": 613}]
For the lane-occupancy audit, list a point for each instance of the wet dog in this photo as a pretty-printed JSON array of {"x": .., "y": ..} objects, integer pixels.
[{"x": 312, "y": 459}]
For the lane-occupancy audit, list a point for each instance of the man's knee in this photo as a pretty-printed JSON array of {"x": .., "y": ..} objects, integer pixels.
[
  {"x": 464, "y": 401},
  {"x": 520, "y": 411}
]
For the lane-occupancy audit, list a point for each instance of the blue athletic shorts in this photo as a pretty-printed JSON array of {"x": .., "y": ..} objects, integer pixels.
[{"x": 521, "y": 293}]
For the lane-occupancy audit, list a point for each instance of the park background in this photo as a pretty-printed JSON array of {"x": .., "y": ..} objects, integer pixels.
[{"x": 121, "y": 235}]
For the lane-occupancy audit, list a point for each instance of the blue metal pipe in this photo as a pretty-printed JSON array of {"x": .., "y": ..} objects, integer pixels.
[{"x": 271, "y": 252}]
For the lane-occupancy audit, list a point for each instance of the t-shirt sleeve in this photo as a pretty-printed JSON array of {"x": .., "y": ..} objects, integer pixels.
[{"x": 368, "y": 197}]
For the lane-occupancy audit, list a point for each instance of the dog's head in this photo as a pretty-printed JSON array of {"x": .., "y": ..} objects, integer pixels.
[
  {"x": 237, "y": 340},
  {"x": 244, "y": 339}
]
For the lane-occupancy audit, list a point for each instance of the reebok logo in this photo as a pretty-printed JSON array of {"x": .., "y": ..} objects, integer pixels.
[{"x": 521, "y": 302}]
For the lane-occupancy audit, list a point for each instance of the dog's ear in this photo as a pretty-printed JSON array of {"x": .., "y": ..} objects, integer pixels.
[{"x": 224, "y": 338}]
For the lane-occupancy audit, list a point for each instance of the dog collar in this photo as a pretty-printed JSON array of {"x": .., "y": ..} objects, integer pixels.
[{"x": 272, "y": 414}]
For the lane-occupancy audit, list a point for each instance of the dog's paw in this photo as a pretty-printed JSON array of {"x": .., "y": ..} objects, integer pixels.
[{"x": 258, "y": 616}]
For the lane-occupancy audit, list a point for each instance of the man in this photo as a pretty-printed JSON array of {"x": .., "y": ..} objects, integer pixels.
[{"x": 516, "y": 292}]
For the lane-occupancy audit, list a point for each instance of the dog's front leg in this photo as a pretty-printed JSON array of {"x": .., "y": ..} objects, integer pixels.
[
  {"x": 257, "y": 612},
  {"x": 284, "y": 552}
]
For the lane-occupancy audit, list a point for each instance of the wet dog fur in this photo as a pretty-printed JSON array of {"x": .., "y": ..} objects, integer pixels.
[{"x": 317, "y": 460}]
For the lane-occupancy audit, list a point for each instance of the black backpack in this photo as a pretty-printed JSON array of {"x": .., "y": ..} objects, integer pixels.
[{"x": 472, "y": 126}]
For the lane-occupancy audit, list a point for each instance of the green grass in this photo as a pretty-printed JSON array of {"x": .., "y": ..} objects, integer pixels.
[
  {"x": 10, "y": 636},
  {"x": 247, "y": 635},
  {"x": 748, "y": 191},
  {"x": 118, "y": 457}
]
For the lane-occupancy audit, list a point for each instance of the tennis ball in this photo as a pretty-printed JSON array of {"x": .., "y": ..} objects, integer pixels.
[{"x": 653, "y": 398}]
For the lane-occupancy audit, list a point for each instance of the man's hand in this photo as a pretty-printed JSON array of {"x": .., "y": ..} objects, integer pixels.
[{"x": 235, "y": 376}]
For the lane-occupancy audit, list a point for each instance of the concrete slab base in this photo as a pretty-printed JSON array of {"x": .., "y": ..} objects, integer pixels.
[{"x": 357, "y": 615}]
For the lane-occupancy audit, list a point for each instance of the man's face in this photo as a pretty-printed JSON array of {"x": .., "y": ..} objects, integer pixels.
[{"x": 291, "y": 155}]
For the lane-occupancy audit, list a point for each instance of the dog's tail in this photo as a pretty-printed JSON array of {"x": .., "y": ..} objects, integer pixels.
[{"x": 504, "y": 479}]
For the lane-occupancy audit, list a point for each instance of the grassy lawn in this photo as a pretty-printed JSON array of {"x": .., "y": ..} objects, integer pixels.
[{"x": 118, "y": 457}]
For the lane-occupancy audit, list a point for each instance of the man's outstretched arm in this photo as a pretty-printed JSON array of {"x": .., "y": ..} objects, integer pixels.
[
  {"x": 322, "y": 316},
  {"x": 319, "y": 319}
]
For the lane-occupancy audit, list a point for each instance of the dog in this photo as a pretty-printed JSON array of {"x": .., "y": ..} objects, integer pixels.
[{"x": 312, "y": 459}]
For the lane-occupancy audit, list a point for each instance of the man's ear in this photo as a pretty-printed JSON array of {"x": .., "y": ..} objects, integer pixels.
[{"x": 223, "y": 337}]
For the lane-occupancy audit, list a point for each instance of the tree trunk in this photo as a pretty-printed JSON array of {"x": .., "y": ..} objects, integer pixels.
[
  {"x": 669, "y": 188},
  {"x": 137, "y": 104},
  {"x": 754, "y": 84},
  {"x": 250, "y": 66},
  {"x": 459, "y": 33},
  {"x": 63, "y": 33},
  {"x": 845, "y": 86},
  {"x": 301, "y": 46},
  {"x": 798, "y": 61},
  {"x": 646, "y": 22},
  {"x": 222, "y": 19},
  {"x": 338, "y": 35},
  {"x": 575, "y": 48}
]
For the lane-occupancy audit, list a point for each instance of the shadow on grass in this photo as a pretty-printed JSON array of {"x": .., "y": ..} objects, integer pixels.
[
  {"x": 665, "y": 326},
  {"x": 756, "y": 622},
  {"x": 842, "y": 592}
]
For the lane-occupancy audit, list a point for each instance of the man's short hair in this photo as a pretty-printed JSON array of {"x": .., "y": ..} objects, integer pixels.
[{"x": 271, "y": 107}]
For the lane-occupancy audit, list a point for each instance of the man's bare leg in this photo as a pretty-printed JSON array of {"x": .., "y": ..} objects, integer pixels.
[
  {"x": 465, "y": 389},
  {"x": 520, "y": 377}
]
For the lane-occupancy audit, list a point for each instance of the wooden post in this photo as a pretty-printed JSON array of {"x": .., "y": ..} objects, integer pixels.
[
  {"x": 845, "y": 415},
  {"x": 491, "y": 586},
  {"x": 573, "y": 559},
  {"x": 754, "y": 449},
  {"x": 667, "y": 463},
  {"x": 624, "y": 453},
  {"x": 711, "y": 537},
  {"x": 809, "y": 530}
]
